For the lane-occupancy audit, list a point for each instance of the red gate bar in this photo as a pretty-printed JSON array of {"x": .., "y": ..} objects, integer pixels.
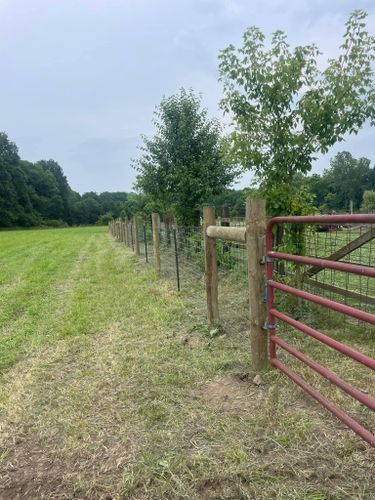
[
  {"x": 330, "y": 304},
  {"x": 322, "y": 301},
  {"x": 324, "y": 263},
  {"x": 325, "y": 339},
  {"x": 332, "y": 377},
  {"x": 324, "y": 219},
  {"x": 349, "y": 421}
]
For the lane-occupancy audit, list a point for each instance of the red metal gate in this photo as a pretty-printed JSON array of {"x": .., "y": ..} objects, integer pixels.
[{"x": 273, "y": 313}]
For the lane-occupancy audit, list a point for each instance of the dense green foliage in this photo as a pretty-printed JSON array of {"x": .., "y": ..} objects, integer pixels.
[
  {"x": 368, "y": 203},
  {"x": 185, "y": 163},
  {"x": 343, "y": 183},
  {"x": 286, "y": 110},
  {"x": 36, "y": 194},
  {"x": 235, "y": 199}
]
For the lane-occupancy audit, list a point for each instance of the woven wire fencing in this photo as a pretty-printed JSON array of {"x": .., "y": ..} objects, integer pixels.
[{"x": 182, "y": 262}]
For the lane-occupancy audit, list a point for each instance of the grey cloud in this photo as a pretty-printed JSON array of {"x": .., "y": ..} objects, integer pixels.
[{"x": 81, "y": 78}]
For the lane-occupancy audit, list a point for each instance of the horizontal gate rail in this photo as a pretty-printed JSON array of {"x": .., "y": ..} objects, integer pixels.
[
  {"x": 322, "y": 301},
  {"x": 325, "y": 339},
  {"x": 346, "y": 249},
  {"x": 349, "y": 421},
  {"x": 273, "y": 313},
  {"x": 345, "y": 267},
  {"x": 365, "y": 299},
  {"x": 324, "y": 219},
  {"x": 332, "y": 377}
]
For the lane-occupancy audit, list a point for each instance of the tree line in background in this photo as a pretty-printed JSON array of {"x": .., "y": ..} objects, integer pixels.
[
  {"x": 37, "y": 194},
  {"x": 284, "y": 112}
]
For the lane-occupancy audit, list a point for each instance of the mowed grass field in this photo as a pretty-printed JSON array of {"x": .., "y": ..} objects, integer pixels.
[{"x": 112, "y": 387}]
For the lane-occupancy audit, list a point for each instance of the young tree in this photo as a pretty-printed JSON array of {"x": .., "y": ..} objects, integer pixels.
[
  {"x": 185, "y": 163},
  {"x": 285, "y": 110}
]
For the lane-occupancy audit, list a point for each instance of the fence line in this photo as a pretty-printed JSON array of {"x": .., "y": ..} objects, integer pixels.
[{"x": 224, "y": 265}]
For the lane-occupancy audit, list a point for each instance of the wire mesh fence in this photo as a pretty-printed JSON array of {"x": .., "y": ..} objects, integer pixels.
[
  {"x": 353, "y": 244},
  {"x": 182, "y": 263}
]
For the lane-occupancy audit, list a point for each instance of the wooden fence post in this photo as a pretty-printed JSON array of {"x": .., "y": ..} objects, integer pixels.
[
  {"x": 210, "y": 260},
  {"x": 121, "y": 231},
  {"x": 136, "y": 236},
  {"x": 156, "y": 239},
  {"x": 126, "y": 231},
  {"x": 255, "y": 234}
]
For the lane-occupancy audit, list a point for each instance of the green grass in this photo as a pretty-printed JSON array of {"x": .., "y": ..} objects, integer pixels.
[{"x": 112, "y": 386}]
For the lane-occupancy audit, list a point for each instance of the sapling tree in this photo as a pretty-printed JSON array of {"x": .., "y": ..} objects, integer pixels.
[
  {"x": 185, "y": 163},
  {"x": 286, "y": 109}
]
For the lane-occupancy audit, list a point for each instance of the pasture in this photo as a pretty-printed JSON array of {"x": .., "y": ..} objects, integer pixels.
[{"x": 111, "y": 386}]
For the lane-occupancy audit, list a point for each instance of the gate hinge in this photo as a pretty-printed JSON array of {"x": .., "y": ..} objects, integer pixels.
[
  {"x": 266, "y": 260},
  {"x": 269, "y": 326}
]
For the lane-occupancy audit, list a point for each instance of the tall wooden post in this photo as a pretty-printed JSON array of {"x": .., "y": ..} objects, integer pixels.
[
  {"x": 136, "y": 236},
  {"x": 210, "y": 260},
  {"x": 126, "y": 231},
  {"x": 121, "y": 231},
  {"x": 156, "y": 239},
  {"x": 255, "y": 230}
]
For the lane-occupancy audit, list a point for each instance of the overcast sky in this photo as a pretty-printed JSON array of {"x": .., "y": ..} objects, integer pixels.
[{"x": 80, "y": 79}]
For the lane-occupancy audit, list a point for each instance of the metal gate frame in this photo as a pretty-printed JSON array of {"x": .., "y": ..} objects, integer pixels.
[{"x": 273, "y": 313}]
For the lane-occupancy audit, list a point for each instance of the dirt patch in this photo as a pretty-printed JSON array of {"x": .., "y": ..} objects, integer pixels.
[
  {"x": 37, "y": 469},
  {"x": 62, "y": 435},
  {"x": 235, "y": 391},
  {"x": 220, "y": 487},
  {"x": 28, "y": 468}
]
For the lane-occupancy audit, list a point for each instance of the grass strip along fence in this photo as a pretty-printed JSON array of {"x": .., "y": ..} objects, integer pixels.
[{"x": 337, "y": 263}]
